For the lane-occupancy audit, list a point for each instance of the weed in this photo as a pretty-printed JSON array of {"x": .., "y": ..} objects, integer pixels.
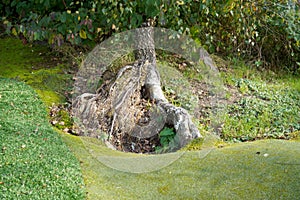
[
  {"x": 168, "y": 141},
  {"x": 267, "y": 111}
]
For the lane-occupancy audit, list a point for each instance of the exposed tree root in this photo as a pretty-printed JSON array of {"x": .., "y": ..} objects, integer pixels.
[
  {"x": 131, "y": 108},
  {"x": 133, "y": 104}
]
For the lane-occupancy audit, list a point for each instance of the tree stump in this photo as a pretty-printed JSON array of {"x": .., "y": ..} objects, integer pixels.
[{"x": 131, "y": 105}]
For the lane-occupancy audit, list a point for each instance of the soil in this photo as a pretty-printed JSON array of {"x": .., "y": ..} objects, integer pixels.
[
  {"x": 123, "y": 141},
  {"x": 127, "y": 143}
]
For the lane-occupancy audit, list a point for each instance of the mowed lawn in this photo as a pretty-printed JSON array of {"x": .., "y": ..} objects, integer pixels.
[{"x": 34, "y": 161}]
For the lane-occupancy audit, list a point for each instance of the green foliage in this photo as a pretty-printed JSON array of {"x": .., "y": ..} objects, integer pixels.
[
  {"x": 166, "y": 136},
  {"x": 35, "y": 163},
  {"x": 246, "y": 28},
  {"x": 265, "y": 111},
  {"x": 168, "y": 140},
  {"x": 77, "y": 22},
  {"x": 264, "y": 31}
]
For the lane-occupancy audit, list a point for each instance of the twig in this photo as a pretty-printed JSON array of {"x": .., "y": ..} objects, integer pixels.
[
  {"x": 64, "y": 3},
  {"x": 112, "y": 125}
]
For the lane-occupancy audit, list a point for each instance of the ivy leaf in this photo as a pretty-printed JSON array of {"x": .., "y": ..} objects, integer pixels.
[
  {"x": 166, "y": 132},
  {"x": 63, "y": 17},
  {"x": 82, "y": 34},
  {"x": 36, "y": 36}
]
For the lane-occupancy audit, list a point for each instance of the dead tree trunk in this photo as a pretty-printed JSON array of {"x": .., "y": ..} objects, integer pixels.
[{"x": 133, "y": 105}]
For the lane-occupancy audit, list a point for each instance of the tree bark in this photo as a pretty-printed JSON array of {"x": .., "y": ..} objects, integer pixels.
[
  {"x": 174, "y": 116},
  {"x": 134, "y": 104}
]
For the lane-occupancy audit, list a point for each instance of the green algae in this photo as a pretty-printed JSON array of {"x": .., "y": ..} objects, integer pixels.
[{"x": 49, "y": 83}]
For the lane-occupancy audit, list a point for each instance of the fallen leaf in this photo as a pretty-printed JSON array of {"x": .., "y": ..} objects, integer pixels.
[
  {"x": 14, "y": 31},
  {"x": 82, "y": 34}
]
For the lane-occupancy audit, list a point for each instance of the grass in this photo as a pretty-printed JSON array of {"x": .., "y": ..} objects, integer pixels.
[
  {"x": 32, "y": 65},
  {"x": 268, "y": 105},
  {"x": 35, "y": 162},
  {"x": 264, "y": 111},
  {"x": 266, "y": 169},
  {"x": 265, "y": 105}
]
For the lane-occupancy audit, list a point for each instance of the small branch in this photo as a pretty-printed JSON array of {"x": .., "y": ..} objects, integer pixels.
[
  {"x": 112, "y": 125},
  {"x": 64, "y": 3}
]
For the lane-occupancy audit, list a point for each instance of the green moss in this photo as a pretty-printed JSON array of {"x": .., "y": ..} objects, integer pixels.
[
  {"x": 50, "y": 97},
  {"x": 268, "y": 169},
  {"x": 50, "y": 83},
  {"x": 194, "y": 145},
  {"x": 32, "y": 65},
  {"x": 296, "y": 135},
  {"x": 16, "y": 58}
]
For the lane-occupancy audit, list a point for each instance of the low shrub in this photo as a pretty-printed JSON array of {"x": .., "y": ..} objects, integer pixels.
[{"x": 266, "y": 32}]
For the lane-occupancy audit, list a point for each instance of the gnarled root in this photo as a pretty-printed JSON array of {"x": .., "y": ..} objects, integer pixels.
[{"x": 133, "y": 105}]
